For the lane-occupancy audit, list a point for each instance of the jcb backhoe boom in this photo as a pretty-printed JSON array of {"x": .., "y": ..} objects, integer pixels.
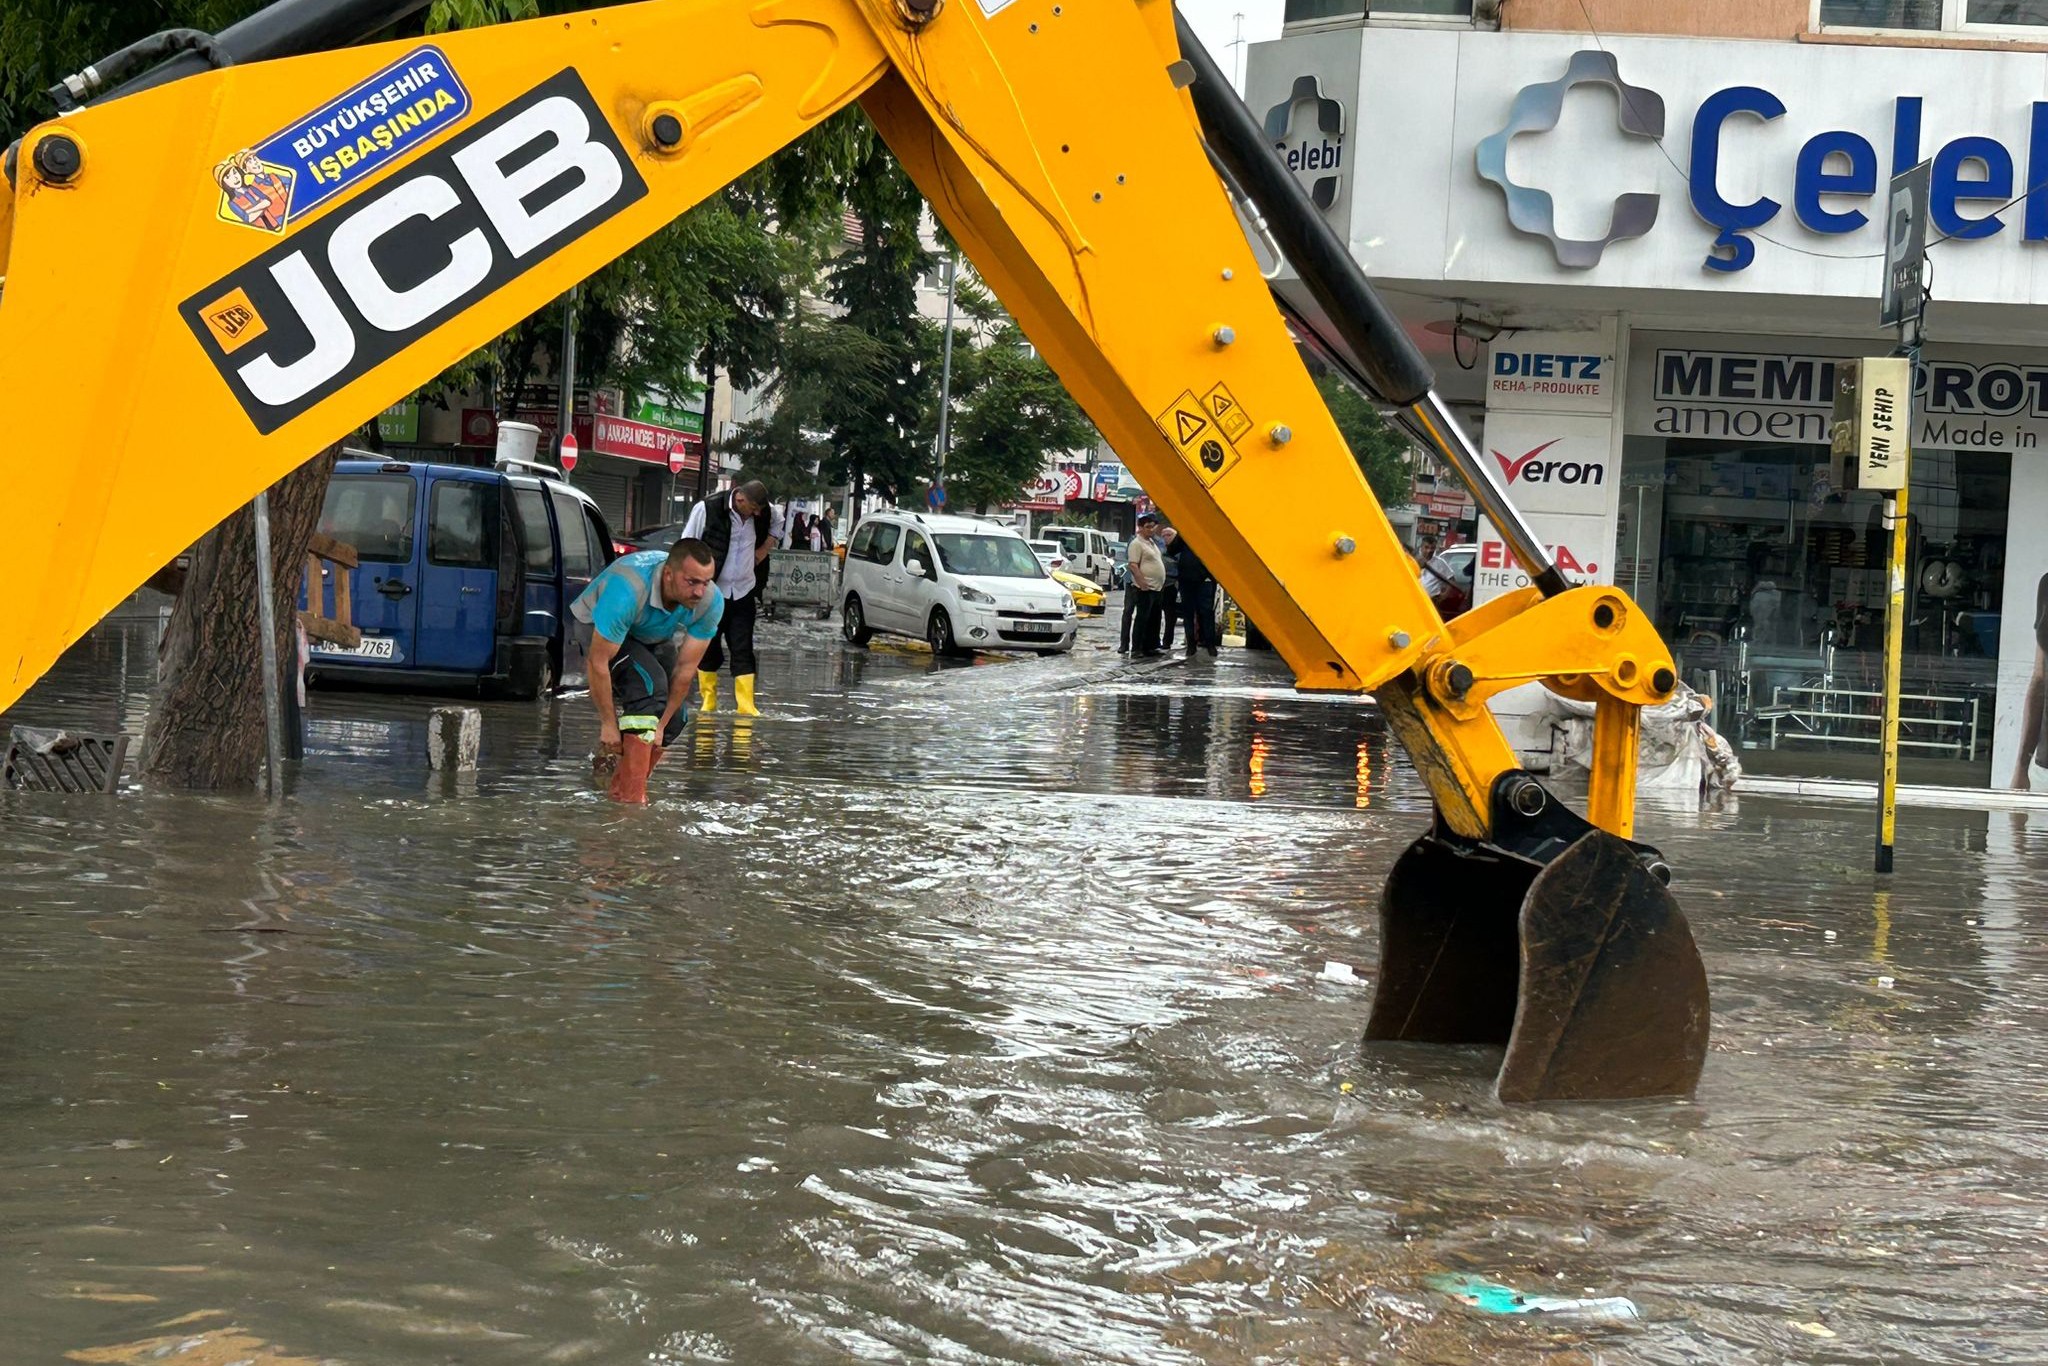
[{"x": 232, "y": 270}]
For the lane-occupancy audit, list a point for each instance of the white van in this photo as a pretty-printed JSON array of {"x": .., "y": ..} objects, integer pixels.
[
  {"x": 958, "y": 583},
  {"x": 1090, "y": 553}
]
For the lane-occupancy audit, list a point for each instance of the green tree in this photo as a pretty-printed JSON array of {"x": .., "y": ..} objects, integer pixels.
[
  {"x": 1015, "y": 417},
  {"x": 824, "y": 358},
  {"x": 1382, "y": 452},
  {"x": 875, "y": 435}
]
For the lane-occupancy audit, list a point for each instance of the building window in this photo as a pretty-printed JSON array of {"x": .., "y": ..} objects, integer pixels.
[
  {"x": 1325, "y": 11},
  {"x": 1986, "y": 17}
]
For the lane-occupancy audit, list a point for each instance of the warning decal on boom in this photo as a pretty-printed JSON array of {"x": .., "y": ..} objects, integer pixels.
[
  {"x": 1227, "y": 411},
  {"x": 1207, "y": 448}
]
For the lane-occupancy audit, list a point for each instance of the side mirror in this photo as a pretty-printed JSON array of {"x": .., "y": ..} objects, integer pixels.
[{"x": 914, "y": 568}]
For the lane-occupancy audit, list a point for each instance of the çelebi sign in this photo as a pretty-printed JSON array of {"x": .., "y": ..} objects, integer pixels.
[
  {"x": 1873, "y": 421},
  {"x": 341, "y": 296}
]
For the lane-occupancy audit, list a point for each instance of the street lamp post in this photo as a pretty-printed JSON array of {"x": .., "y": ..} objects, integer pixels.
[{"x": 946, "y": 370}]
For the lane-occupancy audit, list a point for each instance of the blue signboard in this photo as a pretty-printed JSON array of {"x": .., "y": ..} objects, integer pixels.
[{"x": 356, "y": 135}]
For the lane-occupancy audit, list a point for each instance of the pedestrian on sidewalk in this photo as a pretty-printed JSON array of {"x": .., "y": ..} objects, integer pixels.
[
  {"x": 740, "y": 527},
  {"x": 1197, "y": 598},
  {"x": 1147, "y": 568},
  {"x": 1169, "y": 592}
]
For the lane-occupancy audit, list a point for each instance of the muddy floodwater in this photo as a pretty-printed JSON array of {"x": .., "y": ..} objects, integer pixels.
[{"x": 959, "y": 1015}]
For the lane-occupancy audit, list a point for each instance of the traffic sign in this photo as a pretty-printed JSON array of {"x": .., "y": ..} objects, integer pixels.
[
  {"x": 568, "y": 451},
  {"x": 936, "y": 497},
  {"x": 1905, "y": 247},
  {"x": 675, "y": 458}
]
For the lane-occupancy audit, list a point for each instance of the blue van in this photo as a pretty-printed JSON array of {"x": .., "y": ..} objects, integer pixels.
[{"x": 463, "y": 578}]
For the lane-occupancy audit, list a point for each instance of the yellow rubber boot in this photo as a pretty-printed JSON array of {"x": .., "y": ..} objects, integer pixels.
[
  {"x": 743, "y": 695},
  {"x": 707, "y": 684}
]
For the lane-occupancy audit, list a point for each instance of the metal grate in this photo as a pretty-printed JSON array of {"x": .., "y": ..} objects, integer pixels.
[{"x": 62, "y": 761}]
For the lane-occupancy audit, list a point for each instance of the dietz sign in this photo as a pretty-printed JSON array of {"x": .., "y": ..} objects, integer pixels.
[{"x": 334, "y": 300}]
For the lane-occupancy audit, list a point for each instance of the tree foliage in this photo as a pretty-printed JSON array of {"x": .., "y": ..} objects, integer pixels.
[
  {"x": 875, "y": 435},
  {"x": 826, "y": 360},
  {"x": 1015, "y": 417},
  {"x": 1381, "y": 451}
]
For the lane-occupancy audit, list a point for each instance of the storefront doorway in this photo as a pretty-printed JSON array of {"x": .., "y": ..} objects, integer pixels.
[{"x": 1769, "y": 582}]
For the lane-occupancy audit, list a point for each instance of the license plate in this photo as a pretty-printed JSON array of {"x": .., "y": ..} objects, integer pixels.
[
  {"x": 372, "y": 647},
  {"x": 1036, "y": 628}
]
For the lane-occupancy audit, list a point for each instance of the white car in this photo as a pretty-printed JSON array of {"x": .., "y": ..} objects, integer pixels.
[
  {"x": 958, "y": 583},
  {"x": 1090, "y": 553},
  {"x": 1049, "y": 554}
]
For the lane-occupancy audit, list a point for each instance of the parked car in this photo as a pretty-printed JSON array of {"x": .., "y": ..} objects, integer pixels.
[
  {"x": 463, "y": 576},
  {"x": 656, "y": 537},
  {"x": 1089, "y": 596},
  {"x": 1090, "y": 553},
  {"x": 1049, "y": 554},
  {"x": 957, "y": 582},
  {"x": 1449, "y": 578},
  {"x": 1120, "y": 571}
]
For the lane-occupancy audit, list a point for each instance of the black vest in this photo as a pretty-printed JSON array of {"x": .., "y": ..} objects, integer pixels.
[{"x": 718, "y": 528}]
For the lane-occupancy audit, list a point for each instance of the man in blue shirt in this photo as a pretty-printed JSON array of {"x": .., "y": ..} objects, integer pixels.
[{"x": 646, "y": 622}]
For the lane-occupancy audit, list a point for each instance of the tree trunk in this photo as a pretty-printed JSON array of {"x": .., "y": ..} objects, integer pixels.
[{"x": 206, "y": 720}]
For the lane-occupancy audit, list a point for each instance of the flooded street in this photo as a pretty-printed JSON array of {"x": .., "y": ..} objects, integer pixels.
[{"x": 960, "y": 1015}]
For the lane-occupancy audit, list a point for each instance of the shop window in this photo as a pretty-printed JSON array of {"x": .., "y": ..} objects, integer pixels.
[
  {"x": 1987, "y": 17},
  {"x": 1768, "y": 581}
]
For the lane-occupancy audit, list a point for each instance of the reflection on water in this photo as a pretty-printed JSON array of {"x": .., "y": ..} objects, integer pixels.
[{"x": 957, "y": 1014}]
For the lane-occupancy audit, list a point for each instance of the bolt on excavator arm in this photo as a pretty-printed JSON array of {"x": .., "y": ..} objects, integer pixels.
[{"x": 227, "y": 272}]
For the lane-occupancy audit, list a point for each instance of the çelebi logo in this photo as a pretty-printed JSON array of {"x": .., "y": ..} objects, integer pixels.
[
  {"x": 336, "y": 299},
  {"x": 1317, "y": 148},
  {"x": 1537, "y": 108},
  {"x": 1831, "y": 169},
  {"x": 1528, "y": 468}
]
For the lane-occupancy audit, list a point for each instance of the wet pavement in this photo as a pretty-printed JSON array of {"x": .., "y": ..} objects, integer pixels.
[{"x": 958, "y": 1014}]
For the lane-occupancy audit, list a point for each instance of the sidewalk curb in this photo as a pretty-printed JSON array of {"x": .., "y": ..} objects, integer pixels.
[{"x": 1953, "y": 798}]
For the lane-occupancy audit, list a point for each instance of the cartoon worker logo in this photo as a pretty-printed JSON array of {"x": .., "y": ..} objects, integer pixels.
[{"x": 253, "y": 192}]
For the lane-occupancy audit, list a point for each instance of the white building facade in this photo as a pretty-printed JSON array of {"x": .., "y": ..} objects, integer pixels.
[{"x": 1637, "y": 258}]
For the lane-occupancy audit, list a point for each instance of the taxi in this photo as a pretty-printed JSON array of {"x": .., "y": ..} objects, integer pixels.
[{"x": 1089, "y": 596}]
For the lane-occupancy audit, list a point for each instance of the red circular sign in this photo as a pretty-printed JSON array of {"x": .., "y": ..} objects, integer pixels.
[
  {"x": 568, "y": 452},
  {"x": 675, "y": 458}
]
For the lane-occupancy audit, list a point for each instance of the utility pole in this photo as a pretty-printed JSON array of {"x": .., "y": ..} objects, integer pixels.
[
  {"x": 565, "y": 409},
  {"x": 1902, "y": 302},
  {"x": 704, "y": 459},
  {"x": 1237, "y": 52},
  {"x": 946, "y": 373}
]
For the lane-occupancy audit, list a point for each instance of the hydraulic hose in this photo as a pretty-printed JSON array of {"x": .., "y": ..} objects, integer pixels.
[
  {"x": 1377, "y": 345},
  {"x": 76, "y": 89}
]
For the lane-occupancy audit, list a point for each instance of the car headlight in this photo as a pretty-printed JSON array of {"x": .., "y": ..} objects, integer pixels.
[
  {"x": 976, "y": 595},
  {"x": 1067, "y": 603}
]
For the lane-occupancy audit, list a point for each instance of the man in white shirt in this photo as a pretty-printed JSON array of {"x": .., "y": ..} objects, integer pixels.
[{"x": 741, "y": 528}]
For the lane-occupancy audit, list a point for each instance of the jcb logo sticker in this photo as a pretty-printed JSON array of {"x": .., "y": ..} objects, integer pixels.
[
  {"x": 234, "y": 320},
  {"x": 355, "y": 288}
]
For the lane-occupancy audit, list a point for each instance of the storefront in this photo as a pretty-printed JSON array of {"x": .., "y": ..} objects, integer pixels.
[{"x": 1641, "y": 260}]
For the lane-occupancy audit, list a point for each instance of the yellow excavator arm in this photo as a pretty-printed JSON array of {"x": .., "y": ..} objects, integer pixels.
[{"x": 221, "y": 275}]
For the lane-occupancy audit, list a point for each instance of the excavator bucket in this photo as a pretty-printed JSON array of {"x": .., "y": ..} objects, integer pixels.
[{"x": 1582, "y": 966}]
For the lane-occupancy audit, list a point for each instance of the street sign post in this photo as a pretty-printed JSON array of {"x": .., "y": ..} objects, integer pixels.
[{"x": 1872, "y": 435}]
